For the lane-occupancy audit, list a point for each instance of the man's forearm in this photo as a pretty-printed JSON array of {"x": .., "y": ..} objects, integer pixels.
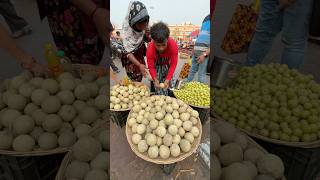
[{"x": 86, "y": 6}]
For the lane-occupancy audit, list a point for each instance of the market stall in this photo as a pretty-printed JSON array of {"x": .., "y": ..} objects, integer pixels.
[{"x": 161, "y": 129}]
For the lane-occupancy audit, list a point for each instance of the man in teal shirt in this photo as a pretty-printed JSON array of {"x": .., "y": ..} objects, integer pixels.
[{"x": 201, "y": 52}]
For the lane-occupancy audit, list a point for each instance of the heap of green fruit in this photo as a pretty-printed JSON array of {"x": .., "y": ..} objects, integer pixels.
[
  {"x": 194, "y": 93},
  {"x": 273, "y": 101}
]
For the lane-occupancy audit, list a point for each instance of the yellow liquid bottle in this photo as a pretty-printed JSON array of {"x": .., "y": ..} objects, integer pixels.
[
  {"x": 126, "y": 81},
  {"x": 65, "y": 62},
  {"x": 52, "y": 61}
]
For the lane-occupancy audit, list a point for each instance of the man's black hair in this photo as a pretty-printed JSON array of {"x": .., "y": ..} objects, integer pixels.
[{"x": 159, "y": 32}]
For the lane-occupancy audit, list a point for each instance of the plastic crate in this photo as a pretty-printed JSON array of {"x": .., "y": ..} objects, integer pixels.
[
  {"x": 299, "y": 163},
  {"x": 29, "y": 168}
]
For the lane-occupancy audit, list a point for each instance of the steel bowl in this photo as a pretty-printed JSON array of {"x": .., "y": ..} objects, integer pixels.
[{"x": 225, "y": 72}]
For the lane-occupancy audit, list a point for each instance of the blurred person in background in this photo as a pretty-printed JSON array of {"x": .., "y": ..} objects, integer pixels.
[
  {"x": 114, "y": 44},
  {"x": 118, "y": 36},
  {"x": 292, "y": 18},
  {"x": 314, "y": 23},
  {"x": 201, "y": 52},
  {"x": 18, "y": 25}
]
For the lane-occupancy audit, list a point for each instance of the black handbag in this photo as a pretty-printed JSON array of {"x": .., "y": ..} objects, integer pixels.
[
  {"x": 314, "y": 21},
  {"x": 210, "y": 63}
]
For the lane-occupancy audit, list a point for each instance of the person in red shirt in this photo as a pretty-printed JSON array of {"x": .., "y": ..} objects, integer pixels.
[{"x": 162, "y": 58}]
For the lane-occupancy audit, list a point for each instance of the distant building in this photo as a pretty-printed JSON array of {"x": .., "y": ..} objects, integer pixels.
[{"x": 181, "y": 32}]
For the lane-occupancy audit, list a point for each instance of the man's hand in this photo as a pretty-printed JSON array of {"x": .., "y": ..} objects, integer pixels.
[
  {"x": 166, "y": 84},
  {"x": 156, "y": 83},
  {"x": 27, "y": 62},
  {"x": 143, "y": 70},
  {"x": 40, "y": 70},
  {"x": 286, "y": 3},
  {"x": 201, "y": 59}
]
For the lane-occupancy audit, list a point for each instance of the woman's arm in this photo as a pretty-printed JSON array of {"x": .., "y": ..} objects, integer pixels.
[
  {"x": 133, "y": 59},
  {"x": 142, "y": 67},
  {"x": 85, "y": 6},
  {"x": 100, "y": 17}
]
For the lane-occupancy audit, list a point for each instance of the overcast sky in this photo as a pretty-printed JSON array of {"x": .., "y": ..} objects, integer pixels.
[{"x": 168, "y": 11}]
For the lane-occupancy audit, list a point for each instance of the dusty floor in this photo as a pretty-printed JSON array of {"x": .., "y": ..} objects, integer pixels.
[{"x": 126, "y": 165}]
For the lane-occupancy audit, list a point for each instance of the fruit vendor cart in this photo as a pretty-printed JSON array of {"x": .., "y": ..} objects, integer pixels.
[{"x": 122, "y": 115}]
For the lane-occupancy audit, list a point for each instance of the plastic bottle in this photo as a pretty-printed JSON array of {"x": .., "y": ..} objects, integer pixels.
[
  {"x": 52, "y": 60},
  {"x": 64, "y": 61}
]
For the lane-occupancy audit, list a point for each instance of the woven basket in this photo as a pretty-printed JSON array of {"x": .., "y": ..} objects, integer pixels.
[
  {"x": 68, "y": 157},
  {"x": 313, "y": 144},
  {"x": 185, "y": 71},
  {"x": 253, "y": 144},
  {"x": 46, "y": 152},
  {"x": 35, "y": 153},
  {"x": 136, "y": 84},
  {"x": 82, "y": 69},
  {"x": 171, "y": 159},
  {"x": 202, "y": 107},
  {"x": 63, "y": 167},
  {"x": 78, "y": 70}
]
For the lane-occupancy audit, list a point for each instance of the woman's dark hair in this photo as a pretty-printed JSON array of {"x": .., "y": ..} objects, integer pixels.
[
  {"x": 159, "y": 32},
  {"x": 144, "y": 19}
]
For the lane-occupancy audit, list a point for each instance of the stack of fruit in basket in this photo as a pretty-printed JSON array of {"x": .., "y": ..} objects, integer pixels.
[
  {"x": 235, "y": 158},
  {"x": 90, "y": 158},
  {"x": 163, "y": 126},
  {"x": 185, "y": 71},
  {"x": 43, "y": 114},
  {"x": 124, "y": 96},
  {"x": 273, "y": 101},
  {"x": 194, "y": 94}
]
